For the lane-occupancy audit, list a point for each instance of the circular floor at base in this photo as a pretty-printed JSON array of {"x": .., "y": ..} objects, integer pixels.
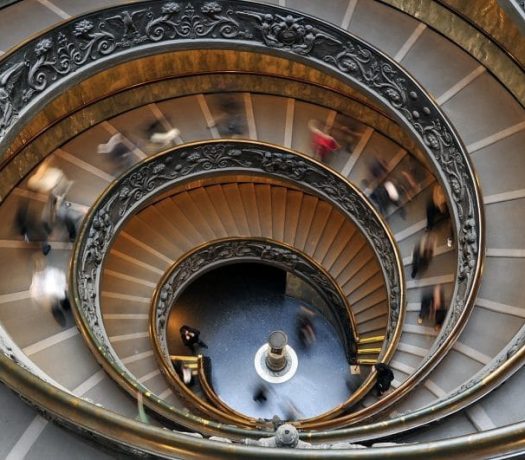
[{"x": 236, "y": 308}]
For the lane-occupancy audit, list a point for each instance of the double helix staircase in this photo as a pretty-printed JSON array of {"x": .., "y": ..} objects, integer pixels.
[{"x": 488, "y": 119}]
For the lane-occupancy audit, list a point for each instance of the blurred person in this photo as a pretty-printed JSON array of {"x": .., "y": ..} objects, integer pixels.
[
  {"x": 322, "y": 143},
  {"x": 426, "y": 309},
  {"x": 49, "y": 289},
  {"x": 50, "y": 181},
  {"x": 117, "y": 151},
  {"x": 230, "y": 120},
  {"x": 423, "y": 253},
  {"x": 440, "y": 307},
  {"x": 407, "y": 183},
  {"x": 385, "y": 195},
  {"x": 53, "y": 183},
  {"x": 185, "y": 373},
  {"x": 260, "y": 395},
  {"x": 157, "y": 134},
  {"x": 29, "y": 224},
  {"x": 384, "y": 378},
  {"x": 392, "y": 192},
  {"x": 433, "y": 306},
  {"x": 346, "y": 137},
  {"x": 305, "y": 327},
  {"x": 437, "y": 209},
  {"x": 378, "y": 169},
  {"x": 70, "y": 218},
  {"x": 191, "y": 337}
]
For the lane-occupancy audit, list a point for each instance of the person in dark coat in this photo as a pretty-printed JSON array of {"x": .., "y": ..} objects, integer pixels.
[
  {"x": 191, "y": 337},
  {"x": 423, "y": 253},
  {"x": 437, "y": 209},
  {"x": 427, "y": 306},
  {"x": 261, "y": 394},
  {"x": 29, "y": 224},
  {"x": 384, "y": 378},
  {"x": 440, "y": 307}
]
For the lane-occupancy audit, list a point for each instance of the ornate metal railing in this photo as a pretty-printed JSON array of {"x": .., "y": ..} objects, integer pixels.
[
  {"x": 191, "y": 162},
  {"x": 133, "y": 438},
  {"x": 38, "y": 70},
  {"x": 34, "y": 73},
  {"x": 233, "y": 250}
]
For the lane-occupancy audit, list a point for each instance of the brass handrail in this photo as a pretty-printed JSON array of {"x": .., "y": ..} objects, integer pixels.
[
  {"x": 131, "y": 437},
  {"x": 350, "y": 59},
  {"x": 229, "y": 250},
  {"x": 197, "y": 363},
  {"x": 200, "y": 159}
]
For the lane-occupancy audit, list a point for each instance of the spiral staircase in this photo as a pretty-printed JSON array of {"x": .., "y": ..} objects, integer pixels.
[{"x": 444, "y": 100}]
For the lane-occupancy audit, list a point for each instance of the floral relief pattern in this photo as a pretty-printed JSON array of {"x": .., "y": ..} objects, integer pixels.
[{"x": 288, "y": 32}]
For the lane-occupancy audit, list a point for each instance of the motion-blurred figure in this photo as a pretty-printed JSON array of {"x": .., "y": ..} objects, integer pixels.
[
  {"x": 70, "y": 218},
  {"x": 427, "y": 306},
  {"x": 378, "y": 169},
  {"x": 440, "y": 307},
  {"x": 433, "y": 306},
  {"x": 346, "y": 137},
  {"x": 407, "y": 183},
  {"x": 50, "y": 181},
  {"x": 29, "y": 224},
  {"x": 49, "y": 289},
  {"x": 260, "y": 395},
  {"x": 157, "y": 134},
  {"x": 322, "y": 143},
  {"x": 53, "y": 183},
  {"x": 386, "y": 195},
  {"x": 437, "y": 209},
  {"x": 185, "y": 373},
  {"x": 117, "y": 151},
  {"x": 230, "y": 119},
  {"x": 305, "y": 327},
  {"x": 423, "y": 253},
  {"x": 384, "y": 378},
  {"x": 191, "y": 337}
]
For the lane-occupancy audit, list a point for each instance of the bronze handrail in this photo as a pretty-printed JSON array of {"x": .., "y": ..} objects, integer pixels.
[
  {"x": 229, "y": 250},
  {"x": 333, "y": 50},
  {"x": 131, "y": 437},
  {"x": 189, "y": 162}
]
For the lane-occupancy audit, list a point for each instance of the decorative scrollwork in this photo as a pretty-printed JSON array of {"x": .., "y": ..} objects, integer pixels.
[
  {"x": 288, "y": 32},
  {"x": 184, "y": 22},
  {"x": 360, "y": 62}
]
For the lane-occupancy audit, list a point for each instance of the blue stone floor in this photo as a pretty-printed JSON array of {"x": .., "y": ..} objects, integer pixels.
[{"x": 236, "y": 308}]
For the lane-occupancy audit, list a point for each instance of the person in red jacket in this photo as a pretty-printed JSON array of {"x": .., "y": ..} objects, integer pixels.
[{"x": 322, "y": 143}]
